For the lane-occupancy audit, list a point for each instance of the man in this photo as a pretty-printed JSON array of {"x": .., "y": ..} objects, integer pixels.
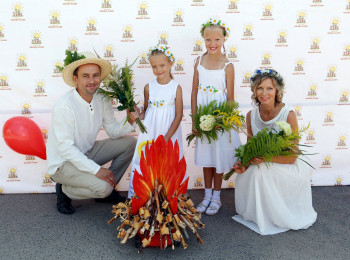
[{"x": 74, "y": 157}]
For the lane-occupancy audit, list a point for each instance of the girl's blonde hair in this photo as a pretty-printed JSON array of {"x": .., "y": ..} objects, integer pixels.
[{"x": 158, "y": 52}]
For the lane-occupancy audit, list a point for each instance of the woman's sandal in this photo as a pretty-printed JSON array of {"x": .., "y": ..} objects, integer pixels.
[
  {"x": 213, "y": 209},
  {"x": 202, "y": 207}
]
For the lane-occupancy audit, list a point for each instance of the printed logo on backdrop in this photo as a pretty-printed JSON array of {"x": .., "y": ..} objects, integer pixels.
[
  {"x": 56, "y": 70},
  {"x": 232, "y": 7},
  {"x": 4, "y": 84},
  {"x": 310, "y": 137},
  {"x": 301, "y": 19},
  {"x": 26, "y": 109},
  {"x": 12, "y": 175},
  {"x": 246, "y": 80},
  {"x": 143, "y": 61},
  {"x": 55, "y": 21},
  {"x": 341, "y": 144},
  {"x": 299, "y": 67},
  {"x": 312, "y": 92},
  {"x": 47, "y": 182},
  {"x": 346, "y": 53},
  {"x": 198, "y": 184},
  {"x": 22, "y": 62},
  {"x": 231, "y": 185},
  {"x": 2, "y": 34},
  {"x": 163, "y": 38},
  {"x": 30, "y": 159},
  {"x": 127, "y": 34},
  {"x": 197, "y": 3},
  {"x": 109, "y": 53},
  {"x": 179, "y": 67},
  {"x": 326, "y": 162},
  {"x": 36, "y": 40},
  {"x": 266, "y": 61},
  {"x": 248, "y": 32},
  {"x": 316, "y": 3},
  {"x": 73, "y": 44},
  {"x": 69, "y": 2},
  {"x": 282, "y": 39},
  {"x": 178, "y": 18},
  {"x": 45, "y": 131},
  {"x": 142, "y": 12},
  {"x": 232, "y": 55},
  {"x": 297, "y": 110},
  {"x": 40, "y": 89},
  {"x": 332, "y": 73},
  {"x": 347, "y": 7},
  {"x": 267, "y": 12},
  {"x": 338, "y": 181},
  {"x": 197, "y": 47},
  {"x": 328, "y": 119},
  {"x": 344, "y": 98},
  {"x": 334, "y": 27},
  {"x": 315, "y": 45},
  {"x": 91, "y": 28},
  {"x": 106, "y": 6},
  {"x": 17, "y": 12}
]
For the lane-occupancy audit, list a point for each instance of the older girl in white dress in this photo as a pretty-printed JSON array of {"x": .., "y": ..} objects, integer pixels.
[{"x": 275, "y": 198}]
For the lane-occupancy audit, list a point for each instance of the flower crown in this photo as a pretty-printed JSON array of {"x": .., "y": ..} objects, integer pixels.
[
  {"x": 218, "y": 22},
  {"x": 267, "y": 73},
  {"x": 162, "y": 48}
]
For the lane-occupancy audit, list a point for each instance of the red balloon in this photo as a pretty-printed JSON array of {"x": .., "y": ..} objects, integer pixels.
[{"x": 24, "y": 136}]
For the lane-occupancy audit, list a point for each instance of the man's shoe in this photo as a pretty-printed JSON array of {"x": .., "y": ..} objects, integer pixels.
[
  {"x": 64, "y": 203},
  {"x": 114, "y": 198}
]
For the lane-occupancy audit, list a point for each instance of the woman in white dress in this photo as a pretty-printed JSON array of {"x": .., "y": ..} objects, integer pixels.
[{"x": 275, "y": 198}]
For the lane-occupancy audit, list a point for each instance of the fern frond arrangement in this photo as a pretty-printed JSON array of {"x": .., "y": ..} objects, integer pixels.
[
  {"x": 118, "y": 85},
  {"x": 214, "y": 118},
  {"x": 268, "y": 144},
  {"x": 70, "y": 58}
]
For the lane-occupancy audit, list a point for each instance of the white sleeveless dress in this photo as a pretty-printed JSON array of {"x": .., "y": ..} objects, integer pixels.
[
  {"x": 275, "y": 198},
  {"x": 159, "y": 116},
  {"x": 220, "y": 153}
]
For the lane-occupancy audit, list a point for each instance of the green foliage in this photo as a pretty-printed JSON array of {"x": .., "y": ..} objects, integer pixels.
[{"x": 70, "y": 58}]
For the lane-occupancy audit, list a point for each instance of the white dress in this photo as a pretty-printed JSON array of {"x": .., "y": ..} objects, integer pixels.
[
  {"x": 274, "y": 199},
  {"x": 220, "y": 153},
  {"x": 159, "y": 116}
]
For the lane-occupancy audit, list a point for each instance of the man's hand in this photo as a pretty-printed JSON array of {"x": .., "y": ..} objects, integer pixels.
[
  {"x": 106, "y": 175},
  {"x": 132, "y": 116}
]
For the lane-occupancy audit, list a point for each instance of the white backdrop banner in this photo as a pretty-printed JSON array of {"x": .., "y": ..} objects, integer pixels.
[{"x": 307, "y": 41}]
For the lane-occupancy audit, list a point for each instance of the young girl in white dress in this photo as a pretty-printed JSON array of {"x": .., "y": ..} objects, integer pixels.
[
  {"x": 274, "y": 198},
  {"x": 163, "y": 107},
  {"x": 213, "y": 79}
]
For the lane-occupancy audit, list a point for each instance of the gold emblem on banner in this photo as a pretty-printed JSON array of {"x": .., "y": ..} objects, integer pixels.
[
  {"x": 178, "y": 18},
  {"x": 40, "y": 89},
  {"x": 246, "y": 80},
  {"x": 4, "y": 84},
  {"x": 105, "y": 5},
  {"x": 45, "y": 131},
  {"x": 17, "y": 12},
  {"x": 248, "y": 32},
  {"x": 338, "y": 181},
  {"x": 346, "y": 52},
  {"x": 2, "y": 35},
  {"x": 344, "y": 98},
  {"x": 232, "y": 55},
  {"x": 36, "y": 40},
  {"x": 108, "y": 54},
  {"x": 143, "y": 61},
  {"x": 26, "y": 109},
  {"x": 315, "y": 46},
  {"x": 326, "y": 163},
  {"x": 301, "y": 19},
  {"x": 197, "y": 3},
  {"x": 310, "y": 137},
  {"x": 267, "y": 12},
  {"x": 127, "y": 34},
  {"x": 232, "y": 7},
  {"x": 69, "y": 2},
  {"x": 266, "y": 61},
  {"x": 22, "y": 62},
  {"x": 341, "y": 144},
  {"x": 297, "y": 110},
  {"x": 312, "y": 93},
  {"x": 55, "y": 19},
  {"x": 299, "y": 67},
  {"x": 231, "y": 185},
  {"x": 1, "y": 190},
  {"x": 142, "y": 12},
  {"x": 332, "y": 73},
  {"x": 198, "y": 183},
  {"x": 56, "y": 70},
  {"x": 30, "y": 159},
  {"x": 47, "y": 182},
  {"x": 163, "y": 38},
  {"x": 73, "y": 45},
  {"x": 334, "y": 27},
  {"x": 328, "y": 119},
  {"x": 91, "y": 28},
  {"x": 198, "y": 47},
  {"x": 316, "y": 3},
  {"x": 282, "y": 39},
  {"x": 347, "y": 8},
  {"x": 12, "y": 175},
  {"x": 179, "y": 67}
]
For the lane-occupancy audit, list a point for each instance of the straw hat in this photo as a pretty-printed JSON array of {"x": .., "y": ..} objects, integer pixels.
[{"x": 91, "y": 58}]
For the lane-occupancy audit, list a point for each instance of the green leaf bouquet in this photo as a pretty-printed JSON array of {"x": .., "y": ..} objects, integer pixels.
[{"x": 119, "y": 85}]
